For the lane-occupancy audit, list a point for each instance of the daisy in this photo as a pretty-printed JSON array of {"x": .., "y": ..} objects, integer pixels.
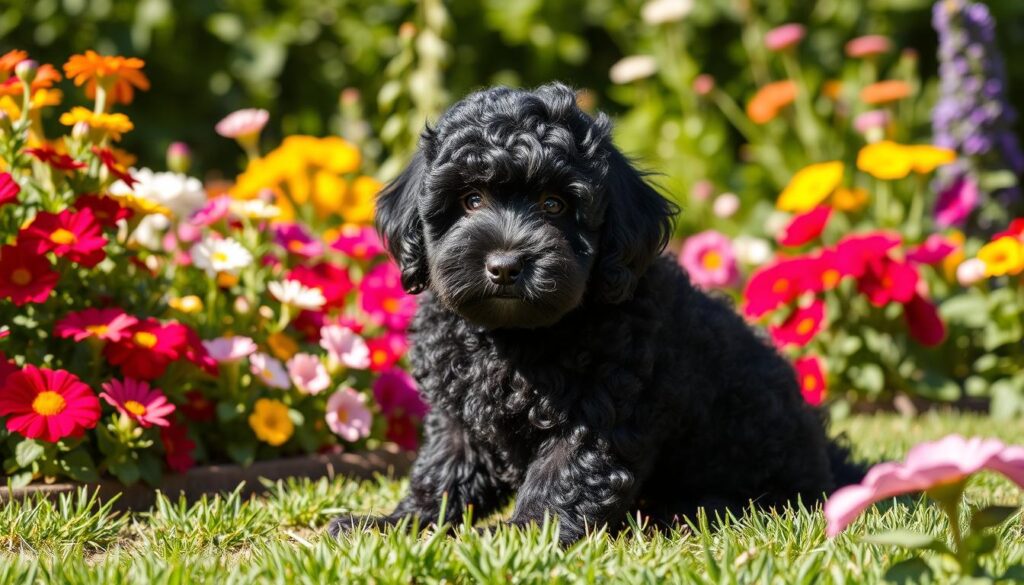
[
  {"x": 332, "y": 280},
  {"x": 243, "y": 123},
  {"x": 49, "y": 405},
  {"x": 294, "y": 238},
  {"x": 269, "y": 370},
  {"x": 106, "y": 210},
  {"x": 148, "y": 349},
  {"x": 119, "y": 75},
  {"x": 296, "y": 294},
  {"x": 255, "y": 209},
  {"x": 345, "y": 346},
  {"x": 347, "y": 415},
  {"x": 181, "y": 194},
  {"x": 74, "y": 235},
  {"x": 229, "y": 349},
  {"x": 103, "y": 324},
  {"x": 216, "y": 256},
  {"x": 383, "y": 298},
  {"x": 308, "y": 373},
  {"x": 136, "y": 400},
  {"x": 25, "y": 276}
]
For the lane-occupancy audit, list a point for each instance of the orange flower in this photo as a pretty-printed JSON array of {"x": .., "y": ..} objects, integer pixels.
[
  {"x": 850, "y": 200},
  {"x": 884, "y": 92},
  {"x": 770, "y": 99},
  {"x": 119, "y": 75},
  {"x": 46, "y": 76},
  {"x": 10, "y": 59},
  {"x": 832, "y": 89}
]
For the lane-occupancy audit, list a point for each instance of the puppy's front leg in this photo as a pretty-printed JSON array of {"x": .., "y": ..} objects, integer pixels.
[
  {"x": 583, "y": 483},
  {"x": 447, "y": 466}
]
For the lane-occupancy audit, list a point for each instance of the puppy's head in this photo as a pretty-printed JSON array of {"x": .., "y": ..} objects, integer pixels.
[{"x": 517, "y": 208}]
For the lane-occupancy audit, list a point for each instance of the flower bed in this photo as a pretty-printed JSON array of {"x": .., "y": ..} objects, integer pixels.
[{"x": 149, "y": 323}]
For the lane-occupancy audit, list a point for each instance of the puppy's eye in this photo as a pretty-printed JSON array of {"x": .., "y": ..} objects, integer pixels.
[
  {"x": 552, "y": 205},
  {"x": 472, "y": 202}
]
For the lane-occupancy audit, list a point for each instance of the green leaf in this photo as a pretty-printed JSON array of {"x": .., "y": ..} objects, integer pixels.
[
  {"x": 227, "y": 411},
  {"x": 20, "y": 480},
  {"x": 990, "y": 516},
  {"x": 968, "y": 309},
  {"x": 27, "y": 452},
  {"x": 79, "y": 466},
  {"x": 981, "y": 543},
  {"x": 150, "y": 469},
  {"x": 1013, "y": 574},
  {"x": 905, "y": 539},
  {"x": 125, "y": 471},
  {"x": 1007, "y": 400},
  {"x": 912, "y": 570},
  {"x": 243, "y": 453}
]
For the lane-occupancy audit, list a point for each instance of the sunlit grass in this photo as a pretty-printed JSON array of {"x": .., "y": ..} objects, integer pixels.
[{"x": 278, "y": 538}]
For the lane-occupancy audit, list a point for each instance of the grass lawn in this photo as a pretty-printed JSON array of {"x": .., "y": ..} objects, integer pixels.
[{"x": 278, "y": 539}]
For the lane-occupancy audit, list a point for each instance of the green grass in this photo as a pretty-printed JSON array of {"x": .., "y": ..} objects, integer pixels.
[{"x": 278, "y": 538}]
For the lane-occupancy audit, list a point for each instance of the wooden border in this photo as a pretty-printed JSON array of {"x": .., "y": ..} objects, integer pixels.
[{"x": 387, "y": 460}]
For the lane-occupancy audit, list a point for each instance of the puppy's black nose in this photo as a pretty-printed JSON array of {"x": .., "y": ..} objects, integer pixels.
[{"x": 503, "y": 267}]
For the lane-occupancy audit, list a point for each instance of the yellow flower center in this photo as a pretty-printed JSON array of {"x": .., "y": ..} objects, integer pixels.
[
  {"x": 135, "y": 408},
  {"x": 145, "y": 339},
  {"x": 342, "y": 415},
  {"x": 266, "y": 374},
  {"x": 49, "y": 403},
  {"x": 810, "y": 383},
  {"x": 97, "y": 330},
  {"x": 390, "y": 305},
  {"x": 711, "y": 260},
  {"x": 21, "y": 276},
  {"x": 805, "y": 326},
  {"x": 219, "y": 257},
  {"x": 63, "y": 237}
]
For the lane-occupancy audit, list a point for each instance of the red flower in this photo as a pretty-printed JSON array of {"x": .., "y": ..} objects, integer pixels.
[
  {"x": 923, "y": 321},
  {"x": 309, "y": 323},
  {"x": 403, "y": 430},
  {"x": 136, "y": 400},
  {"x": 9, "y": 189},
  {"x": 57, "y": 160},
  {"x": 195, "y": 352},
  {"x": 25, "y": 276},
  {"x": 886, "y": 280},
  {"x": 806, "y": 226},
  {"x": 853, "y": 253},
  {"x": 149, "y": 348},
  {"x": 106, "y": 210},
  {"x": 76, "y": 236},
  {"x": 115, "y": 168},
  {"x": 105, "y": 324},
  {"x": 932, "y": 251},
  {"x": 810, "y": 377},
  {"x": 801, "y": 326},
  {"x": 7, "y": 367},
  {"x": 178, "y": 448},
  {"x": 776, "y": 284},
  {"x": 334, "y": 281},
  {"x": 386, "y": 350},
  {"x": 1015, "y": 230},
  {"x": 198, "y": 407},
  {"x": 48, "y": 404}
]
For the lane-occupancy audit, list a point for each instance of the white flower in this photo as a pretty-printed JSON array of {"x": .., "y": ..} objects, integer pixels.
[
  {"x": 632, "y": 68},
  {"x": 751, "y": 251},
  {"x": 180, "y": 193},
  {"x": 296, "y": 294},
  {"x": 662, "y": 11},
  {"x": 254, "y": 209},
  {"x": 150, "y": 232},
  {"x": 726, "y": 205},
  {"x": 269, "y": 370},
  {"x": 220, "y": 255}
]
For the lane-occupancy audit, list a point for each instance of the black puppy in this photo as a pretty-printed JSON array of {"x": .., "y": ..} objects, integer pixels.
[{"x": 565, "y": 363}]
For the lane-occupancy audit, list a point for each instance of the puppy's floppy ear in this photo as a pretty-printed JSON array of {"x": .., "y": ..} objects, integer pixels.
[
  {"x": 637, "y": 225},
  {"x": 399, "y": 224}
]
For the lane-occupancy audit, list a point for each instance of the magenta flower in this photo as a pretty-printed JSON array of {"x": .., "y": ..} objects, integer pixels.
[
  {"x": 229, "y": 349},
  {"x": 9, "y": 189},
  {"x": 214, "y": 210},
  {"x": 934, "y": 250},
  {"x": 308, "y": 373},
  {"x": 956, "y": 203},
  {"x": 269, "y": 370},
  {"x": 243, "y": 123},
  {"x": 358, "y": 241},
  {"x": 136, "y": 400},
  {"x": 345, "y": 346},
  {"x": 395, "y": 392},
  {"x": 294, "y": 238},
  {"x": 929, "y": 465},
  {"x": 784, "y": 37},
  {"x": 347, "y": 415},
  {"x": 709, "y": 259},
  {"x": 104, "y": 324},
  {"x": 805, "y": 227},
  {"x": 383, "y": 298}
]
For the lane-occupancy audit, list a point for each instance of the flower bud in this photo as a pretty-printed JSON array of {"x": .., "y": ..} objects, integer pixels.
[
  {"x": 81, "y": 131},
  {"x": 179, "y": 157},
  {"x": 725, "y": 205},
  {"x": 703, "y": 85},
  {"x": 970, "y": 272},
  {"x": 242, "y": 306},
  {"x": 26, "y": 71}
]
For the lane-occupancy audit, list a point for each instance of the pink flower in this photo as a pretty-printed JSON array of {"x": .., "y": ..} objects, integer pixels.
[
  {"x": 871, "y": 120},
  {"x": 136, "y": 400},
  {"x": 868, "y": 46},
  {"x": 934, "y": 249},
  {"x": 928, "y": 465},
  {"x": 243, "y": 123},
  {"x": 212, "y": 211},
  {"x": 347, "y": 415},
  {"x": 806, "y": 226},
  {"x": 358, "y": 241},
  {"x": 294, "y": 238},
  {"x": 970, "y": 272},
  {"x": 105, "y": 324},
  {"x": 229, "y": 349},
  {"x": 956, "y": 203},
  {"x": 784, "y": 37},
  {"x": 269, "y": 370},
  {"x": 345, "y": 346},
  {"x": 308, "y": 373},
  {"x": 709, "y": 259},
  {"x": 9, "y": 189},
  {"x": 399, "y": 400},
  {"x": 810, "y": 377},
  {"x": 725, "y": 205},
  {"x": 383, "y": 299},
  {"x": 703, "y": 84}
]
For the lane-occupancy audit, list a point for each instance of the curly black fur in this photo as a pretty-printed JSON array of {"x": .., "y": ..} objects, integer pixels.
[{"x": 600, "y": 381}]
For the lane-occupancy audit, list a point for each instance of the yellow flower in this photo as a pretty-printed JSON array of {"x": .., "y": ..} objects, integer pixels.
[
  {"x": 357, "y": 205},
  {"x": 42, "y": 98},
  {"x": 927, "y": 158},
  {"x": 141, "y": 205},
  {"x": 1003, "y": 256},
  {"x": 271, "y": 423},
  {"x": 282, "y": 346},
  {"x": 955, "y": 258},
  {"x": 850, "y": 200},
  {"x": 189, "y": 304},
  {"x": 885, "y": 160},
  {"x": 810, "y": 186},
  {"x": 112, "y": 124}
]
